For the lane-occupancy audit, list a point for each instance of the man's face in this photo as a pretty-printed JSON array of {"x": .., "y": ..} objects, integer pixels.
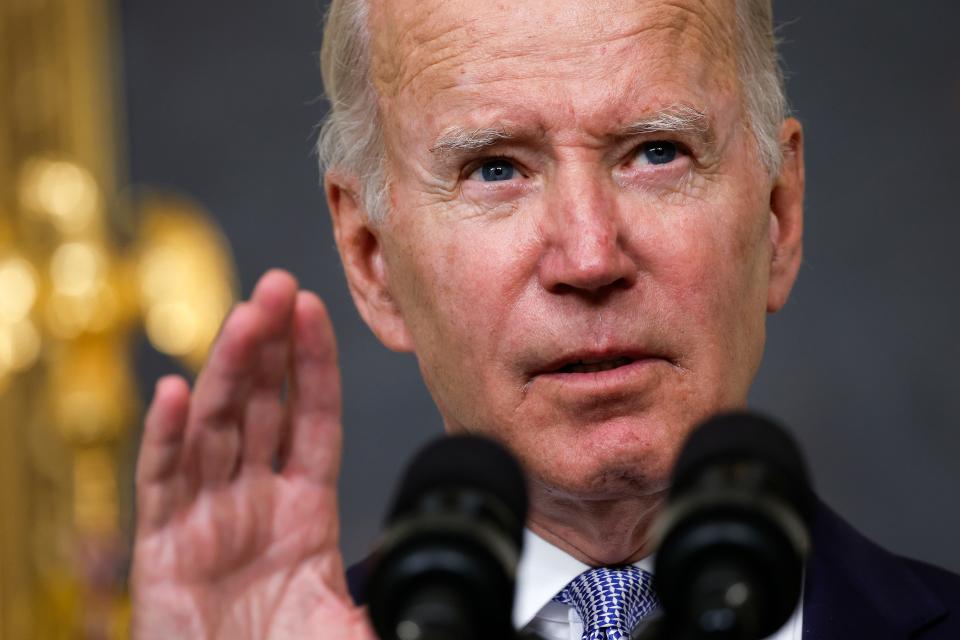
[{"x": 579, "y": 237}]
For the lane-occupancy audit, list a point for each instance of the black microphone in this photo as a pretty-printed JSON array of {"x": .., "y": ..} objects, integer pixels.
[
  {"x": 734, "y": 534},
  {"x": 446, "y": 566}
]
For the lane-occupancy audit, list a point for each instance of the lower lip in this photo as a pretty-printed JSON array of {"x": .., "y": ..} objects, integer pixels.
[{"x": 609, "y": 379}]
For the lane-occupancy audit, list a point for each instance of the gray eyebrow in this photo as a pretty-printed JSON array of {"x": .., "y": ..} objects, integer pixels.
[
  {"x": 461, "y": 139},
  {"x": 677, "y": 118}
]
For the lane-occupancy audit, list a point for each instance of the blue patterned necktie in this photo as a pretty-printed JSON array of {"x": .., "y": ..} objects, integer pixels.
[{"x": 611, "y": 601}]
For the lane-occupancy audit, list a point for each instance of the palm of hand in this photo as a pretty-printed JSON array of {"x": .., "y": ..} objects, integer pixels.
[{"x": 227, "y": 546}]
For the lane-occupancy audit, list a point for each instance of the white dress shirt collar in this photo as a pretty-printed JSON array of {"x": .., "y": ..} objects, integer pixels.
[{"x": 545, "y": 569}]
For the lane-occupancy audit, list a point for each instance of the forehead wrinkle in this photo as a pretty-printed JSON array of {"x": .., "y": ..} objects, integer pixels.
[
  {"x": 407, "y": 44},
  {"x": 687, "y": 19},
  {"x": 419, "y": 41},
  {"x": 718, "y": 30},
  {"x": 446, "y": 75}
]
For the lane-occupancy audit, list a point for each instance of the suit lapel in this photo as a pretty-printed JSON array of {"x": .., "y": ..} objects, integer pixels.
[{"x": 855, "y": 589}]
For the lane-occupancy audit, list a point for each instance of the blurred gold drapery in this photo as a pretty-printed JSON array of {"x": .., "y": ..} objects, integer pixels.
[{"x": 80, "y": 269}]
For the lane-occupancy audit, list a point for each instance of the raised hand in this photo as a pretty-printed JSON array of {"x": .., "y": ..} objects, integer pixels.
[{"x": 237, "y": 528}]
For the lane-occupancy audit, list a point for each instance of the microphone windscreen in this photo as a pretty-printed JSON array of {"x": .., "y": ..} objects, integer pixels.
[
  {"x": 745, "y": 437},
  {"x": 468, "y": 462}
]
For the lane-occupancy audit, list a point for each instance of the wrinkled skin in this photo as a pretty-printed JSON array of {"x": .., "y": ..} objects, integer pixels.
[
  {"x": 587, "y": 250},
  {"x": 226, "y": 547}
]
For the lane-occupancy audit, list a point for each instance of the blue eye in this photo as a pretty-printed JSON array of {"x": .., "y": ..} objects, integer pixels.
[
  {"x": 495, "y": 170},
  {"x": 659, "y": 152}
]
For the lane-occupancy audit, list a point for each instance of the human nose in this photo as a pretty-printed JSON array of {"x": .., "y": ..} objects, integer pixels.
[{"x": 584, "y": 241}]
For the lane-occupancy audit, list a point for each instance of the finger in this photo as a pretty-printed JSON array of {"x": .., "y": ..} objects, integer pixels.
[
  {"x": 160, "y": 451},
  {"x": 315, "y": 432},
  {"x": 263, "y": 419},
  {"x": 219, "y": 399}
]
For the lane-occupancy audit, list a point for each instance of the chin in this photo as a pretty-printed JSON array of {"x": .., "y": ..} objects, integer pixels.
[{"x": 616, "y": 475}]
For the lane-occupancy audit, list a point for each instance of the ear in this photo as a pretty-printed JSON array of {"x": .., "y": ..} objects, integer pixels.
[
  {"x": 361, "y": 251},
  {"x": 786, "y": 217}
]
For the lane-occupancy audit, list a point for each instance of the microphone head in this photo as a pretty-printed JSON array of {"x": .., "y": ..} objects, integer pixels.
[
  {"x": 742, "y": 437},
  {"x": 446, "y": 564},
  {"x": 464, "y": 462},
  {"x": 734, "y": 533}
]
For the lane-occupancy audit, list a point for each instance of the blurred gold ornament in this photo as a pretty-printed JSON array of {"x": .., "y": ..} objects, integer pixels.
[
  {"x": 184, "y": 278},
  {"x": 19, "y": 339},
  {"x": 72, "y": 293},
  {"x": 18, "y": 288},
  {"x": 78, "y": 269},
  {"x": 95, "y": 491},
  {"x": 92, "y": 390},
  {"x": 60, "y": 191},
  {"x": 19, "y": 346},
  {"x": 84, "y": 285}
]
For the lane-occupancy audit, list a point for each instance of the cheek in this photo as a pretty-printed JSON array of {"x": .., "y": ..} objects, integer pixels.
[
  {"x": 463, "y": 284},
  {"x": 457, "y": 286},
  {"x": 712, "y": 265}
]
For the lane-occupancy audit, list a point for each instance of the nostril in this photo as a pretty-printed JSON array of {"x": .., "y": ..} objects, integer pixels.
[{"x": 595, "y": 291}]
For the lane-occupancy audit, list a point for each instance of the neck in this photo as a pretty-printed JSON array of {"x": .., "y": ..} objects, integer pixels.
[{"x": 596, "y": 532}]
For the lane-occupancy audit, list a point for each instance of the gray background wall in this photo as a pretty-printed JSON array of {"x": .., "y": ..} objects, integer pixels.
[{"x": 222, "y": 100}]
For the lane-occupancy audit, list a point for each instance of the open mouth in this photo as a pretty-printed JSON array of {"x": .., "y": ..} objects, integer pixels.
[{"x": 594, "y": 365}]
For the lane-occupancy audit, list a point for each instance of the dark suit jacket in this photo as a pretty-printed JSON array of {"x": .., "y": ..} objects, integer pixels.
[{"x": 854, "y": 589}]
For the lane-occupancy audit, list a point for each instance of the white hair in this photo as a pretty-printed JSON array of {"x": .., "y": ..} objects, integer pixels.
[{"x": 351, "y": 134}]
